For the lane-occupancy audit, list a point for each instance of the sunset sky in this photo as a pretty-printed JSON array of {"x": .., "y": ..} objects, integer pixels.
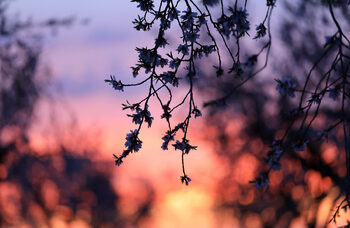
[{"x": 85, "y": 107}]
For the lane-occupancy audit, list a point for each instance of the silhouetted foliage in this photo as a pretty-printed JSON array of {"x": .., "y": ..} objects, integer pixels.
[{"x": 310, "y": 71}]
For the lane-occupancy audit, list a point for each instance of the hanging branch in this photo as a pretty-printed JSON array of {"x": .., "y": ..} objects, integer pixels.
[{"x": 191, "y": 18}]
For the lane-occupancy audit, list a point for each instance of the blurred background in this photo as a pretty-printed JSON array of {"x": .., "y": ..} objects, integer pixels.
[{"x": 60, "y": 124}]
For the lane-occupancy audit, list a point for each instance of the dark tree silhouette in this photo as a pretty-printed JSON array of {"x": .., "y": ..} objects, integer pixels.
[
  {"x": 262, "y": 114},
  {"x": 63, "y": 185}
]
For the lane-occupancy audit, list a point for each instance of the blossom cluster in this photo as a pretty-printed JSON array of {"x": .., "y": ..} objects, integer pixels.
[
  {"x": 275, "y": 154},
  {"x": 236, "y": 23},
  {"x": 117, "y": 85},
  {"x": 142, "y": 115},
  {"x": 286, "y": 86}
]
